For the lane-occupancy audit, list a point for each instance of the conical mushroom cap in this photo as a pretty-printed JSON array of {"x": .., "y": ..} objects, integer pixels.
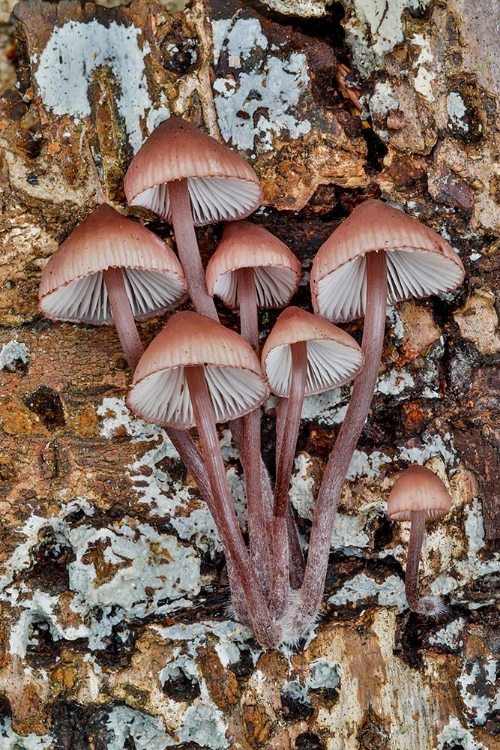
[
  {"x": 72, "y": 287},
  {"x": 419, "y": 261},
  {"x": 222, "y": 186},
  {"x": 333, "y": 356},
  {"x": 159, "y": 390},
  {"x": 418, "y": 488},
  {"x": 245, "y": 245}
]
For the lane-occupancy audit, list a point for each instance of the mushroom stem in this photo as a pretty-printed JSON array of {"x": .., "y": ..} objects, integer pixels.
[
  {"x": 257, "y": 514},
  {"x": 258, "y": 529},
  {"x": 296, "y": 556},
  {"x": 417, "y": 530},
  {"x": 291, "y": 425},
  {"x": 340, "y": 457},
  {"x": 123, "y": 316},
  {"x": 187, "y": 247},
  {"x": 190, "y": 455},
  {"x": 280, "y": 581},
  {"x": 247, "y": 300},
  {"x": 264, "y": 628}
]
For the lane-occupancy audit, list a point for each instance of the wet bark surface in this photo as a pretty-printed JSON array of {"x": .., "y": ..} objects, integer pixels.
[{"x": 115, "y": 627}]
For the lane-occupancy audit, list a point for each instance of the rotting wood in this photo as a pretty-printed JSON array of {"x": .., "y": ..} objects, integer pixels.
[{"x": 87, "y": 494}]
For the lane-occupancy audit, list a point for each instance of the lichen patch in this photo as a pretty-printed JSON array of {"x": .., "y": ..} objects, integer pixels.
[
  {"x": 259, "y": 101},
  {"x": 75, "y": 51}
]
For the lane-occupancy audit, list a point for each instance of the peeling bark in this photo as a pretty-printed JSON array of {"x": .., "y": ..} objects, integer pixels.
[{"x": 114, "y": 625}]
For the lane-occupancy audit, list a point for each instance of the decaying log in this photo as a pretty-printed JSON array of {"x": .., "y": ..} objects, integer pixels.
[{"x": 115, "y": 629}]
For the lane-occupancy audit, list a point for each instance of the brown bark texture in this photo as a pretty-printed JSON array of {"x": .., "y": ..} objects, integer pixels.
[{"x": 115, "y": 625}]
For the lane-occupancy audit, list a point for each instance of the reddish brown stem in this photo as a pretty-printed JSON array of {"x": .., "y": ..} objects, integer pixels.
[
  {"x": 190, "y": 455},
  {"x": 280, "y": 582},
  {"x": 290, "y": 428},
  {"x": 187, "y": 247},
  {"x": 247, "y": 301},
  {"x": 340, "y": 457},
  {"x": 417, "y": 530},
  {"x": 262, "y": 624},
  {"x": 123, "y": 316},
  {"x": 258, "y": 528},
  {"x": 296, "y": 556}
]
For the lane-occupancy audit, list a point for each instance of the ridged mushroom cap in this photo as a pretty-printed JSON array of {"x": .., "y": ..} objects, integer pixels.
[
  {"x": 418, "y": 488},
  {"x": 333, "y": 356},
  {"x": 222, "y": 186},
  {"x": 419, "y": 261},
  {"x": 245, "y": 245},
  {"x": 234, "y": 377},
  {"x": 72, "y": 286}
]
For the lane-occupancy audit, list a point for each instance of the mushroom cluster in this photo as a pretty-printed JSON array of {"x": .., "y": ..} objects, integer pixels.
[{"x": 197, "y": 373}]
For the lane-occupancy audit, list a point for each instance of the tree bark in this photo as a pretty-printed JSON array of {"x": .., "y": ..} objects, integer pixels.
[{"x": 114, "y": 601}]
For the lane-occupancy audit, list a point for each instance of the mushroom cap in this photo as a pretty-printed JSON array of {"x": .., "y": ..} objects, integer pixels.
[
  {"x": 245, "y": 245},
  {"x": 333, "y": 356},
  {"x": 222, "y": 186},
  {"x": 159, "y": 391},
  {"x": 418, "y": 488},
  {"x": 72, "y": 286},
  {"x": 419, "y": 261}
]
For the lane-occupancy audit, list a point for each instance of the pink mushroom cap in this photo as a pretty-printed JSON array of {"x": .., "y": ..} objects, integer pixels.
[
  {"x": 418, "y": 488},
  {"x": 419, "y": 261},
  {"x": 72, "y": 286},
  {"x": 222, "y": 186},
  {"x": 234, "y": 377}
]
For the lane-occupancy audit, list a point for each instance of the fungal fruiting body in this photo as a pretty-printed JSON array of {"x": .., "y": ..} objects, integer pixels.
[
  {"x": 418, "y": 496},
  {"x": 190, "y": 179},
  {"x": 112, "y": 270}
]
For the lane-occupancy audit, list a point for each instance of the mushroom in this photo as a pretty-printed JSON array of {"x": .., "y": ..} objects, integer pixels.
[
  {"x": 196, "y": 372},
  {"x": 112, "y": 270},
  {"x": 190, "y": 179},
  {"x": 303, "y": 355},
  {"x": 378, "y": 255},
  {"x": 252, "y": 268},
  {"x": 418, "y": 496}
]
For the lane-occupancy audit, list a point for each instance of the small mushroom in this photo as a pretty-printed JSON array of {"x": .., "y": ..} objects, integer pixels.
[
  {"x": 196, "y": 372},
  {"x": 252, "y": 268},
  {"x": 190, "y": 179},
  {"x": 418, "y": 496},
  {"x": 112, "y": 270}
]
